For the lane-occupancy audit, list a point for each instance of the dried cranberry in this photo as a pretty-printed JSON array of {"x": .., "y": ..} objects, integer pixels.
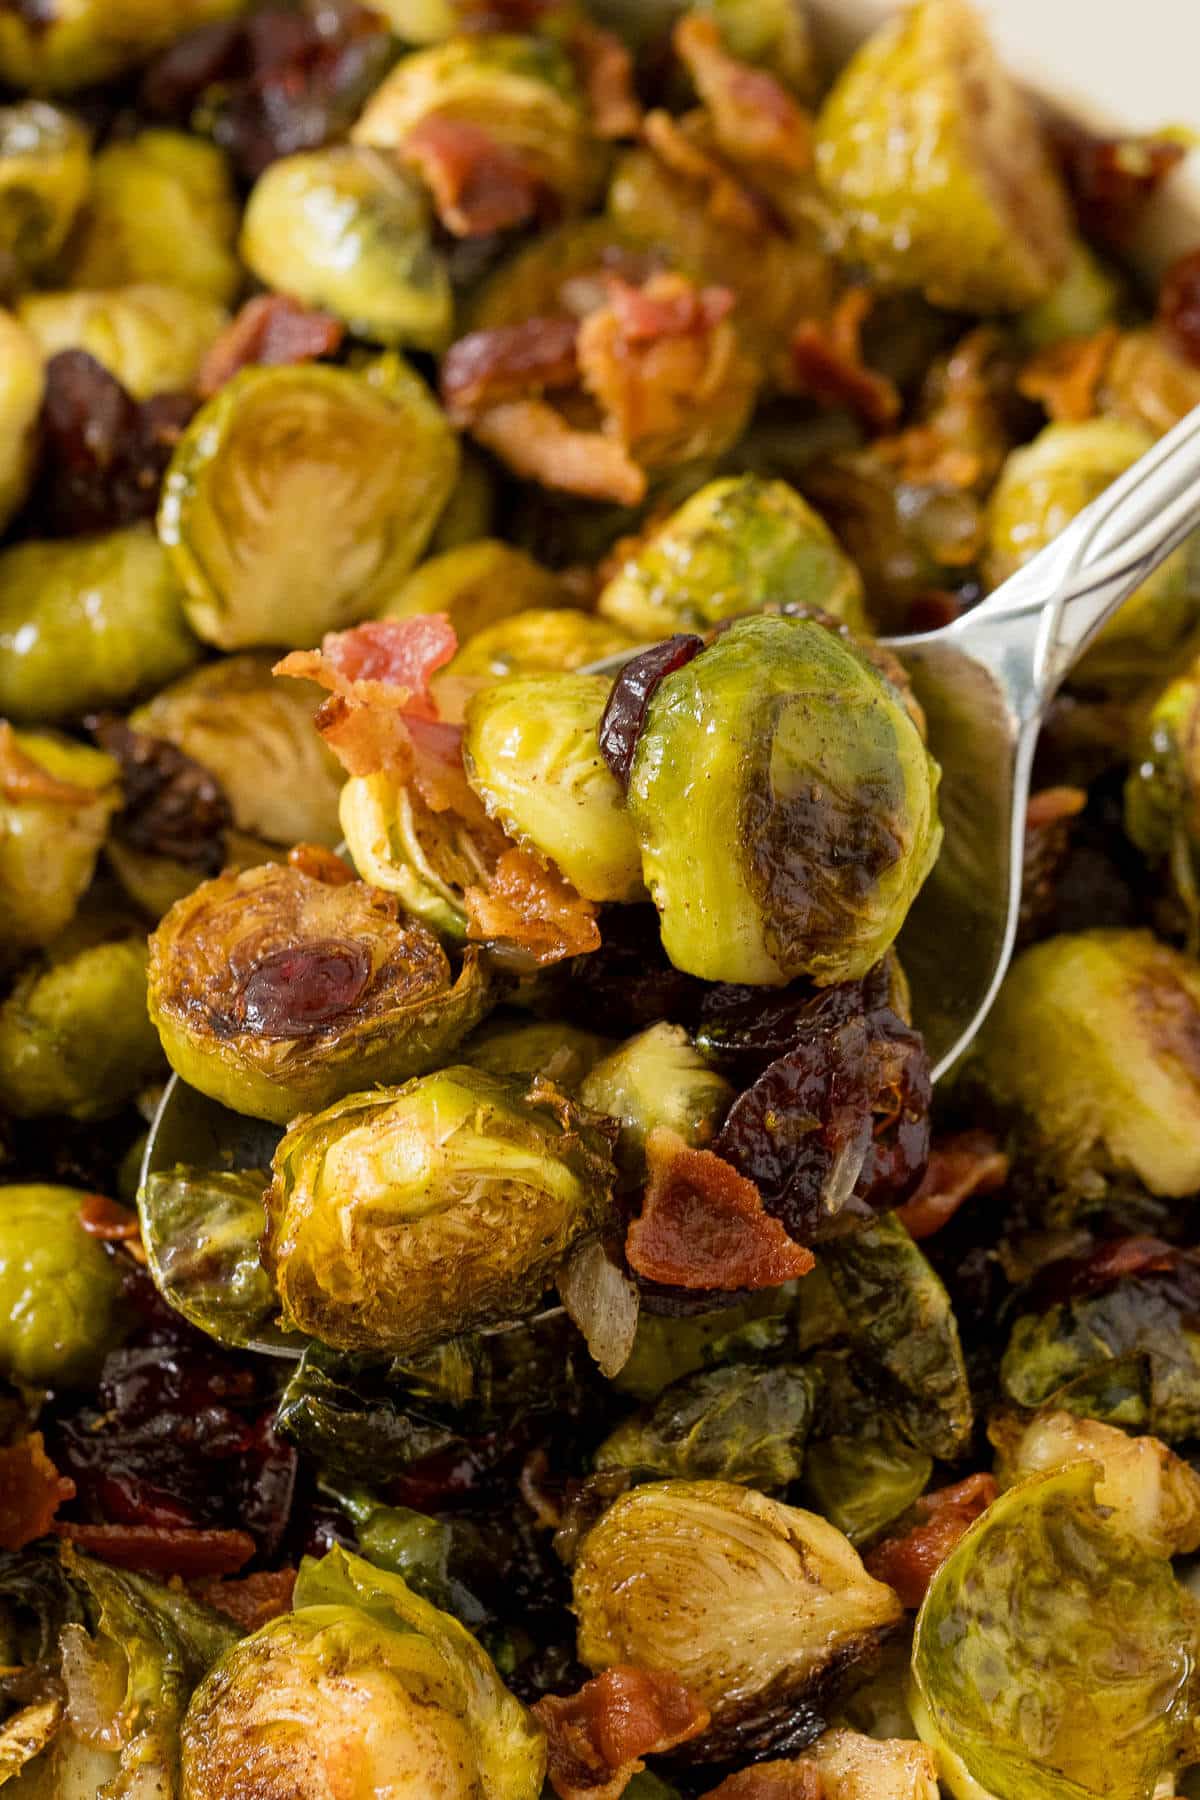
[
  {"x": 625, "y": 713},
  {"x": 628, "y": 983},
  {"x": 296, "y": 992},
  {"x": 1179, "y": 304},
  {"x": 173, "y": 805},
  {"x": 1111, "y": 1261},
  {"x": 746, "y": 1028},
  {"x": 1112, "y": 179}
]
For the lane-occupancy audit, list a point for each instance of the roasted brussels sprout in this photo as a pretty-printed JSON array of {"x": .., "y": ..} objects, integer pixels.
[
  {"x": 771, "y": 34},
  {"x": 87, "y": 622},
  {"x": 937, "y": 169},
  {"x": 59, "y": 1289},
  {"x": 1054, "y": 1654},
  {"x": 348, "y": 230},
  {"x": 656, "y": 1078},
  {"x": 470, "y": 512},
  {"x": 44, "y": 176},
  {"x": 861, "y": 1470},
  {"x": 538, "y": 641},
  {"x": 365, "y": 1689},
  {"x": 56, "y": 799},
  {"x": 152, "y": 337},
  {"x": 737, "y": 1423},
  {"x": 87, "y": 41},
  {"x": 1162, "y": 792},
  {"x": 476, "y": 585},
  {"x": 161, "y": 209},
  {"x": 400, "y": 1218},
  {"x": 399, "y": 844},
  {"x": 1091, "y": 1048},
  {"x": 747, "y": 1600},
  {"x": 785, "y": 804},
  {"x": 532, "y": 755},
  {"x": 22, "y": 385},
  {"x": 1084, "y": 301},
  {"x": 736, "y": 546},
  {"x": 201, "y": 1230},
  {"x": 368, "y": 454},
  {"x": 667, "y": 1349},
  {"x": 563, "y": 1053},
  {"x": 275, "y": 993}
]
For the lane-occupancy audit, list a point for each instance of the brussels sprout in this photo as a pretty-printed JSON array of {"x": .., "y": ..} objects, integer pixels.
[
  {"x": 563, "y": 1053},
  {"x": 74, "y": 1036},
  {"x": 785, "y": 804},
  {"x": 421, "y": 21},
  {"x": 470, "y": 512},
  {"x": 1162, "y": 793},
  {"x": 56, "y": 799},
  {"x": 399, "y": 844},
  {"x": 275, "y": 993},
  {"x": 365, "y": 1689},
  {"x": 748, "y": 1601},
  {"x": 153, "y": 883},
  {"x": 59, "y": 1290},
  {"x": 44, "y": 176},
  {"x": 348, "y": 230},
  {"x": 399, "y": 1218},
  {"x": 1092, "y": 1048},
  {"x": 162, "y": 209},
  {"x": 1152, "y": 1493},
  {"x": 737, "y": 1423},
  {"x": 255, "y": 733},
  {"x": 1083, "y": 302},
  {"x": 861, "y": 1469},
  {"x": 532, "y": 755},
  {"x": 657, "y": 1078},
  {"x": 1041, "y": 488},
  {"x": 937, "y": 168},
  {"x": 667, "y": 1349},
  {"x": 850, "y": 1766},
  {"x": 736, "y": 546},
  {"x": 334, "y": 1412},
  {"x": 83, "y": 42},
  {"x": 88, "y": 622},
  {"x": 369, "y": 455},
  {"x": 476, "y": 585},
  {"x": 538, "y": 641},
  {"x": 151, "y": 337},
  {"x": 1054, "y": 1655},
  {"x": 22, "y": 384},
  {"x": 771, "y": 34},
  {"x": 559, "y": 271}
]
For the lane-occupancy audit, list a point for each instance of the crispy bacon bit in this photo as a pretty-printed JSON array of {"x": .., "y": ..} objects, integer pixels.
[
  {"x": 107, "y": 1219},
  {"x": 320, "y": 863},
  {"x": 532, "y": 909},
  {"x": 727, "y": 199},
  {"x": 597, "y": 1738},
  {"x": 174, "y": 806},
  {"x": 23, "y": 781},
  {"x": 378, "y": 676},
  {"x": 538, "y": 444},
  {"x": 1065, "y": 377},
  {"x": 605, "y": 70},
  {"x": 703, "y": 1225},
  {"x": 799, "y": 1780},
  {"x": 1179, "y": 305},
  {"x": 270, "y": 329},
  {"x": 909, "y": 1563},
  {"x": 163, "y": 1549},
  {"x": 509, "y": 362},
  {"x": 31, "y": 1492},
  {"x": 478, "y": 184},
  {"x": 252, "y": 1600},
  {"x": 754, "y": 117},
  {"x": 1113, "y": 179},
  {"x": 971, "y": 1163},
  {"x": 666, "y": 306},
  {"x": 827, "y": 362}
]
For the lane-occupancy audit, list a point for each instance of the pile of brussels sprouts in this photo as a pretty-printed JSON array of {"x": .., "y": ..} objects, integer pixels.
[{"x": 552, "y": 1341}]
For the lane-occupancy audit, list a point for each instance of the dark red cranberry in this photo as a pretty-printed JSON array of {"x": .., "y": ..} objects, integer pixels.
[
  {"x": 1112, "y": 180},
  {"x": 296, "y": 992},
  {"x": 174, "y": 806},
  {"x": 1179, "y": 305},
  {"x": 625, "y": 713}
]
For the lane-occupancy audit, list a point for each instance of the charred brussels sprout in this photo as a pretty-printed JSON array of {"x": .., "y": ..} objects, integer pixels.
[
  {"x": 532, "y": 755},
  {"x": 1162, "y": 792},
  {"x": 666, "y": 1349},
  {"x": 657, "y": 1078},
  {"x": 785, "y": 804},
  {"x": 476, "y": 585},
  {"x": 161, "y": 209},
  {"x": 1054, "y": 1655},
  {"x": 22, "y": 384},
  {"x": 551, "y": 642},
  {"x": 368, "y": 454},
  {"x": 82, "y": 42},
  {"x": 56, "y": 799},
  {"x": 747, "y": 1600},
  {"x": 400, "y": 845},
  {"x": 59, "y": 1289},
  {"x": 275, "y": 993},
  {"x": 937, "y": 169},
  {"x": 88, "y": 622},
  {"x": 347, "y": 230},
  {"x": 152, "y": 337},
  {"x": 736, "y": 546},
  {"x": 861, "y": 1468},
  {"x": 365, "y": 1689},
  {"x": 563, "y": 1053},
  {"x": 738, "y": 1423},
  {"x": 1091, "y": 1047},
  {"x": 400, "y": 1218},
  {"x": 202, "y": 1230},
  {"x": 44, "y": 177}
]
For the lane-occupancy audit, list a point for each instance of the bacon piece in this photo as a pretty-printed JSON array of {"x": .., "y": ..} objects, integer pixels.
[
  {"x": 533, "y": 909},
  {"x": 163, "y": 1549},
  {"x": 605, "y": 70},
  {"x": 252, "y": 1600},
  {"x": 1065, "y": 378},
  {"x": 909, "y": 1563},
  {"x": 703, "y": 1225},
  {"x": 538, "y": 444},
  {"x": 320, "y": 863},
  {"x": 772, "y": 1781},
  {"x": 23, "y": 780},
  {"x": 729, "y": 202},
  {"x": 31, "y": 1492},
  {"x": 478, "y": 184},
  {"x": 508, "y": 362},
  {"x": 970, "y": 1163},
  {"x": 270, "y": 329},
  {"x": 827, "y": 363},
  {"x": 108, "y": 1219},
  {"x": 378, "y": 676},
  {"x": 754, "y": 117},
  {"x": 666, "y": 306},
  {"x": 596, "y": 1739}
]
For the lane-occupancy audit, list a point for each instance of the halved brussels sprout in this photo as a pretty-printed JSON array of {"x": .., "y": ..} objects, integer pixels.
[
  {"x": 563, "y": 1053},
  {"x": 1092, "y": 1047},
  {"x": 657, "y": 1078},
  {"x": 401, "y": 845},
  {"x": 1054, "y": 1655},
  {"x": 348, "y": 230},
  {"x": 400, "y": 1218},
  {"x": 666, "y": 1349},
  {"x": 60, "y": 1290},
  {"x": 1084, "y": 301},
  {"x": 476, "y": 585},
  {"x": 549, "y": 642},
  {"x": 275, "y": 993},
  {"x": 1162, "y": 792},
  {"x": 748, "y": 1601},
  {"x": 532, "y": 754},
  {"x": 736, "y": 546},
  {"x": 82, "y": 42},
  {"x": 785, "y": 804},
  {"x": 861, "y": 1469},
  {"x": 421, "y": 21},
  {"x": 74, "y": 1035},
  {"x": 201, "y": 1229},
  {"x": 771, "y": 34},
  {"x": 88, "y": 622},
  {"x": 44, "y": 176},
  {"x": 368, "y": 455},
  {"x": 22, "y": 384},
  {"x": 364, "y": 1690},
  {"x": 56, "y": 799},
  {"x": 738, "y": 1423},
  {"x": 254, "y": 731},
  {"x": 937, "y": 168},
  {"x": 152, "y": 337},
  {"x": 1041, "y": 488},
  {"x": 161, "y": 209}
]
